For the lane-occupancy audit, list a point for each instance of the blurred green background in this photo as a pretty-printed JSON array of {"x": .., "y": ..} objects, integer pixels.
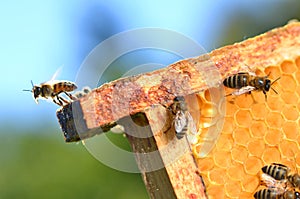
[{"x": 37, "y": 37}]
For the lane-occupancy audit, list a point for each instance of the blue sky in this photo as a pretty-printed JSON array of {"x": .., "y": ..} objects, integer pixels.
[{"x": 38, "y": 37}]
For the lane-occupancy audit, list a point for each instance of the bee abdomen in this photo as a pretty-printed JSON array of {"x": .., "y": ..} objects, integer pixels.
[
  {"x": 236, "y": 81},
  {"x": 64, "y": 86},
  {"x": 277, "y": 171},
  {"x": 266, "y": 194}
]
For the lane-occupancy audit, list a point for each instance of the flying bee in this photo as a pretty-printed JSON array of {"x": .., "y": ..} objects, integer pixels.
[
  {"x": 183, "y": 121},
  {"x": 281, "y": 172},
  {"x": 246, "y": 82},
  {"x": 52, "y": 89},
  {"x": 273, "y": 193}
]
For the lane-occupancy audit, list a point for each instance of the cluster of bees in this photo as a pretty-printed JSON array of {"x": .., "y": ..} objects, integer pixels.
[{"x": 280, "y": 183}]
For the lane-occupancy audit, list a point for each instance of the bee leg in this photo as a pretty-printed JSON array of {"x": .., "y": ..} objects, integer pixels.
[
  {"x": 254, "y": 101},
  {"x": 62, "y": 99},
  {"x": 58, "y": 102},
  {"x": 265, "y": 95},
  {"x": 70, "y": 96}
]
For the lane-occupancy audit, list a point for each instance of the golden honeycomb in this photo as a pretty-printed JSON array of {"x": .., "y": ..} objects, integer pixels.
[{"x": 254, "y": 134}]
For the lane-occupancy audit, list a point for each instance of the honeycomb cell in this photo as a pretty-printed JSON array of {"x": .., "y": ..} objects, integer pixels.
[
  {"x": 242, "y": 118},
  {"x": 258, "y": 129},
  {"x": 241, "y": 136},
  {"x": 225, "y": 143},
  {"x": 288, "y": 67},
  {"x": 208, "y": 110},
  {"x": 288, "y": 83},
  {"x": 250, "y": 183},
  {"x": 231, "y": 108},
  {"x": 256, "y": 147},
  {"x": 221, "y": 159},
  {"x": 228, "y": 125},
  {"x": 252, "y": 165},
  {"x": 206, "y": 122},
  {"x": 273, "y": 137},
  {"x": 274, "y": 72},
  {"x": 205, "y": 164},
  {"x": 244, "y": 101},
  {"x": 288, "y": 148},
  {"x": 274, "y": 120},
  {"x": 236, "y": 171},
  {"x": 259, "y": 111},
  {"x": 244, "y": 194},
  {"x": 231, "y": 189},
  {"x": 216, "y": 191},
  {"x": 215, "y": 177},
  {"x": 274, "y": 103},
  {"x": 239, "y": 154},
  {"x": 290, "y": 130},
  {"x": 289, "y": 97},
  {"x": 270, "y": 155},
  {"x": 290, "y": 113},
  {"x": 259, "y": 97},
  {"x": 207, "y": 96}
]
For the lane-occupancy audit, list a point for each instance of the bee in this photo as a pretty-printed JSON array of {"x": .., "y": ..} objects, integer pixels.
[
  {"x": 52, "y": 89},
  {"x": 183, "y": 121},
  {"x": 273, "y": 193},
  {"x": 281, "y": 172},
  {"x": 246, "y": 82}
]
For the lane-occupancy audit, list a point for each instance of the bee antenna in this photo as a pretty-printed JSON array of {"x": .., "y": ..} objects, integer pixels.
[
  {"x": 32, "y": 87},
  {"x": 275, "y": 80},
  {"x": 274, "y": 90}
]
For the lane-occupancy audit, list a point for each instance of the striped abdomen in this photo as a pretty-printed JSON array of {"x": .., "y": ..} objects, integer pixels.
[
  {"x": 274, "y": 194},
  {"x": 64, "y": 87},
  {"x": 266, "y": 194},
  {"x": 277, "y": 171},
  {"x": 237, "y": 81}
]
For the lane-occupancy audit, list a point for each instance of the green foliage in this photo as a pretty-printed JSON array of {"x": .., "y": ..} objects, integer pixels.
[{"x": 39, "y": 166}]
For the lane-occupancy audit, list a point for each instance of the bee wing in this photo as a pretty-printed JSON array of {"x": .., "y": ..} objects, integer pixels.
[
  {"x": 243, "y": 90},
  {"x": 192, "y": 129},
  {"x": 268, "y": 180},
  {"x": 191, "y": 124},
  {"x": 180, "y": 121},
  {"x": 57, "y": 72}
]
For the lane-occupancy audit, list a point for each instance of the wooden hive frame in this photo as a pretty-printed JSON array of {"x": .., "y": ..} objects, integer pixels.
[{"x": 253, "y": 133}]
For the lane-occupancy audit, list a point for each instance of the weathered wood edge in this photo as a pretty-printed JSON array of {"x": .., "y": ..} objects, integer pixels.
[{"x": 112, "y": 101}]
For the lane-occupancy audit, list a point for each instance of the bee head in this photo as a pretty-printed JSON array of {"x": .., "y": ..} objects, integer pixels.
[
  {"x": 36, "y": 90},
  {"x": 267, "y": 85}
]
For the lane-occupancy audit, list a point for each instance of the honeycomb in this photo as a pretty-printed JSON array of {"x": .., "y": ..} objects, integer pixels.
[{"x": 255, "y": 133}]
